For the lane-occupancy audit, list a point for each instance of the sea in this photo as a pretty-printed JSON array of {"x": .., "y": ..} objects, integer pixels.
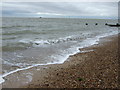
[{"x": 30, "y": 42}]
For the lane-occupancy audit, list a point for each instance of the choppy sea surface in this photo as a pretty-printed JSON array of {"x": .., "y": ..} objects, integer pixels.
[{"x": 29, "y": 42}]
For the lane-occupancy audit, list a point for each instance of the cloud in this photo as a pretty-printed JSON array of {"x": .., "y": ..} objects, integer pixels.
[
  {"x": 41, "y": 13},
  {"x": 102, "y": 9}
]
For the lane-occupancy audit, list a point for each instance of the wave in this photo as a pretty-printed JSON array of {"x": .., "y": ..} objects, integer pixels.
[
  {"x": 23, "y": 32},
  {"x": 10, "y": 38},
  {"x": 36, "y": 42},
  {"x": 52, "y": 41},
  {"x": 16, "y": 26},
  {"x": 15, "y": 46},
  {"x": 19, "y": 65},
  {"x": 27, "y": 43}
]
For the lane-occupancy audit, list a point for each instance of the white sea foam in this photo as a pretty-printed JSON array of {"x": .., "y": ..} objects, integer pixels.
[
  {"x": 86, "y": 51},
  {"x": 25, "y": 41},
  {"x": 39, "y": 42},
  {"x": 16, "y": 64},
  {"x": 1, "y": 79},
  {"x": 19, "y": 56}
]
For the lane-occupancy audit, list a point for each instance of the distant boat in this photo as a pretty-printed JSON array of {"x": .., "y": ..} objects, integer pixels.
[{"x": 112, "y": 25}]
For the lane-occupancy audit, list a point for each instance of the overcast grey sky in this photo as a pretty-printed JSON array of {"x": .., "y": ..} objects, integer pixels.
[{"x": 60, "y": 9}]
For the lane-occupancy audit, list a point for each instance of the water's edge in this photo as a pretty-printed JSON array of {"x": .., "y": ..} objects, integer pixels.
[{"x": 93, "y": 41}]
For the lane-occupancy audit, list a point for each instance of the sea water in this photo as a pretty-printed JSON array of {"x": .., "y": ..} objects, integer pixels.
[{"x": 29, "y": 42}]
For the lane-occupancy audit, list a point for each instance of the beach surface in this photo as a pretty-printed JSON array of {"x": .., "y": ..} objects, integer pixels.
[{"x": 94, "y": 67}]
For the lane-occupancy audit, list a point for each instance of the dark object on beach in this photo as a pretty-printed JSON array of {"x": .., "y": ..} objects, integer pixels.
[
  {"x": 57, "y": 74},
  {"x": 111, "y": 25},
  {"x": 96, "y": 23},
  {"x": 80, "y": 79},
  {"x": 40, "y": 17},
  {"x": 47, "y": 84},
  {"x": 86, "y": 24}
]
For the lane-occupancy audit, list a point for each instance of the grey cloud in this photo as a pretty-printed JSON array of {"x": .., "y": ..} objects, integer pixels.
[{"x": 64, "y": 8}]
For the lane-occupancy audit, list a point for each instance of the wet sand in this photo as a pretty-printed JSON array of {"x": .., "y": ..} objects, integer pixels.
[{"x": 93, "y": 69}]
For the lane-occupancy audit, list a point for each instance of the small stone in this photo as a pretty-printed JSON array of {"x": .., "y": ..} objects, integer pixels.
[{"x": 47, "y": 84}]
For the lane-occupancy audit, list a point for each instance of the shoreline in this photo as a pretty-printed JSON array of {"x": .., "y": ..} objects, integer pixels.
[
  {"x": 48, "y": 71},
  {"x": 66, "y": 56}
]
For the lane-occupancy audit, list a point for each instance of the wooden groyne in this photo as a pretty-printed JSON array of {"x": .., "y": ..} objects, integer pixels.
[{"x": 113, "y": 25}]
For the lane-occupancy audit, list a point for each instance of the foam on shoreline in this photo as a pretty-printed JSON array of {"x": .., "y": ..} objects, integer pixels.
[
  {"x": 63, "y": 57},
  {"x": 1, "y": 79}
]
